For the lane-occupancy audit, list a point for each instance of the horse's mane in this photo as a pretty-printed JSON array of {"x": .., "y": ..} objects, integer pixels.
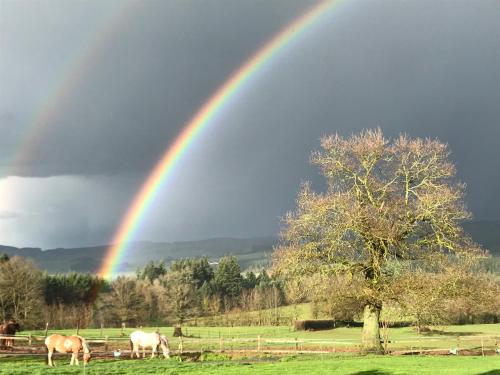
[{"x": 84, "y": 344}]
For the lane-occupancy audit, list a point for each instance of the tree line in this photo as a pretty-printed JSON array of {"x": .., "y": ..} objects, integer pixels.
[
  {"x": 156, "y": 295},
  {"x": 193, "y": 291}
]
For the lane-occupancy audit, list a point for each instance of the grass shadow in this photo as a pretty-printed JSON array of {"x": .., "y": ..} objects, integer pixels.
[{"x": 371, "y": 372}]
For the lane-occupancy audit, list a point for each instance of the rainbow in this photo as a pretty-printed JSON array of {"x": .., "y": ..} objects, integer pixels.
[{"x": 164, "y": 168}]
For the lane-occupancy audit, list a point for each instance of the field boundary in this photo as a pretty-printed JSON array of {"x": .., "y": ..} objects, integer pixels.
[{"x": 107, "y": 346}]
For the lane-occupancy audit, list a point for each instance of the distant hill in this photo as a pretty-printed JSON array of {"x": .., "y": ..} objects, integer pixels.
[{"x": 251, "y": 252}]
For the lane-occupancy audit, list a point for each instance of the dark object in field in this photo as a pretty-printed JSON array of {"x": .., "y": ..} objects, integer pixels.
[
  {"x": 313, "y": 325},
  {"x": 178, "y": 331},
  {"x": 9, "y": 329},
  {"x": 323, "y": 324}
]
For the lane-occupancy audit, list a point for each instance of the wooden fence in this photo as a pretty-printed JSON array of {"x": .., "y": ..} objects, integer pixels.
[{"x": 105, "y": 346}]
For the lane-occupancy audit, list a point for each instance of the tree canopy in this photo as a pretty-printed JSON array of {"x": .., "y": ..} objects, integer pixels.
[{"x": 391, "y": 206}]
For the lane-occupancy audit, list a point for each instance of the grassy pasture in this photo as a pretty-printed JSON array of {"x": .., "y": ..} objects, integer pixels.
[
  {"x": 208, "y": 338},
  {"x": 331, "y": 365}
]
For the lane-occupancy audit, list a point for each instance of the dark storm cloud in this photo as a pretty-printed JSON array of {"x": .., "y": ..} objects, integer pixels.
[
  {"x": 426, "y": 68},
  {"x": 133, "y": 98}
]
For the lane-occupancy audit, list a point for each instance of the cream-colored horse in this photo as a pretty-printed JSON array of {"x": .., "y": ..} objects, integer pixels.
[
  {"x": 67, "y": 344},
  {"x": 148, "y": 340}
]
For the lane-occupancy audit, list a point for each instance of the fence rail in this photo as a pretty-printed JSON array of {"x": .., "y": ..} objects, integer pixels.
[{"x": 443, "y": 344}]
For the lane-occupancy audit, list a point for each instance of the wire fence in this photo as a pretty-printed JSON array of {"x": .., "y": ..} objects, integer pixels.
[{"x": 110, "y": 346}]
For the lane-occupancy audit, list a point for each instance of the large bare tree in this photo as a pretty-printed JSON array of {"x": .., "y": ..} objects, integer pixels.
[{"x": 391, "y": 206}]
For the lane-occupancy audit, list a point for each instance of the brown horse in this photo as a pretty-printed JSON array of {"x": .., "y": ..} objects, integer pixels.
[
  {"x": 67, "y": 344},
  {"x": 9, "y": 329}
]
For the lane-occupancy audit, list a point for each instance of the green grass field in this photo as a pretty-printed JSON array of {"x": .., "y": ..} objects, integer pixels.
[
  {"x": 287, "y": 365},
  {"x": 251, "y": 362}
]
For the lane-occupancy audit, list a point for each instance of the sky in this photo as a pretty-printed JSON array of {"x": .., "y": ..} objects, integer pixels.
[{"x": 93, "y": 92}]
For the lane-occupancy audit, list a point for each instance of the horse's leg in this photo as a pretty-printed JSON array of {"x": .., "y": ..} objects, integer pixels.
[
  {"x": 76, "y": 359},
  {"x": 153, "y": 350},
  {"x": 72, "y": 359},
  {"x": 49, "y": 357},
  {"x": 143, "y": 352}
]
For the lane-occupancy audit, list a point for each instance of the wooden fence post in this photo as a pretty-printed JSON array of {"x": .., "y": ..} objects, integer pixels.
[
  {"x": 482, "y": 347},
  {"x": 106, "y": 344},
  {"x": 258, "y": 343},
  {"x": 29, "y": 340},
  {"x": 221, "y": 344},
  {"x": 46, "y": 328},
  {"x": 296, "y": 345},
  {"x": 102, "y": 326},
  {"x": 181, "y": 347},
  {"x": 458, "y": 344}
]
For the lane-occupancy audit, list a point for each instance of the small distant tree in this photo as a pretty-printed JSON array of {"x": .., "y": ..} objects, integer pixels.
[
  {"x": 21, "y": 288},
  {"x": 250, "y": 280},
  {"x": 70, "y": 298},
  {"x": 228, "y": 281},
  {"x": 199, "y": 269},
  {"x": 181, "y": 292},
  {"x": 124, "y": 303},
  {"x": 152, "y": 271},
  {"x": 390, "y": 207},
  {"x": 295, "y": 294}
]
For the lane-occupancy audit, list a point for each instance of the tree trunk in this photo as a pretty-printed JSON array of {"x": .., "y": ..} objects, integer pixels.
[
  {"x": 371, "y": 330},
  {"x": 178, "y": 331}
]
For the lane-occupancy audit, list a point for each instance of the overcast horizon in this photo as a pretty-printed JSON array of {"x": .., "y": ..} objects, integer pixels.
[{"x": 114, "y": 82}]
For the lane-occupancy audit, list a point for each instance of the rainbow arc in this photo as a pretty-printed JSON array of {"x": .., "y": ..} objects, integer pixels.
[{"x": 192, "y": 130}]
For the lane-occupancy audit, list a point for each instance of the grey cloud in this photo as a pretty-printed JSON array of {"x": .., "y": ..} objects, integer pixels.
[
  {"x": 133, "y": 98},
  {"x": 426, "y": 68},
  {"x": 8, "y": 215}
]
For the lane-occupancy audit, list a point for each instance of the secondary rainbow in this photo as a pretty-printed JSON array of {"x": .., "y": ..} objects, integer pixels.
[
  {"x": 56, "y": 98},
  {"x": 72, "y": 72},
  {"x": 164, "y": 168}
]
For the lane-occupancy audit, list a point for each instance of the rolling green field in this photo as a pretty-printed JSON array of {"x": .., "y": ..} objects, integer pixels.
[{"x": 287, "y": 365}]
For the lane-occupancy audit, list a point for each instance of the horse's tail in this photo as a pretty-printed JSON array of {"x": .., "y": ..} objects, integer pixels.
[{"x": 131, "y": 348}]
